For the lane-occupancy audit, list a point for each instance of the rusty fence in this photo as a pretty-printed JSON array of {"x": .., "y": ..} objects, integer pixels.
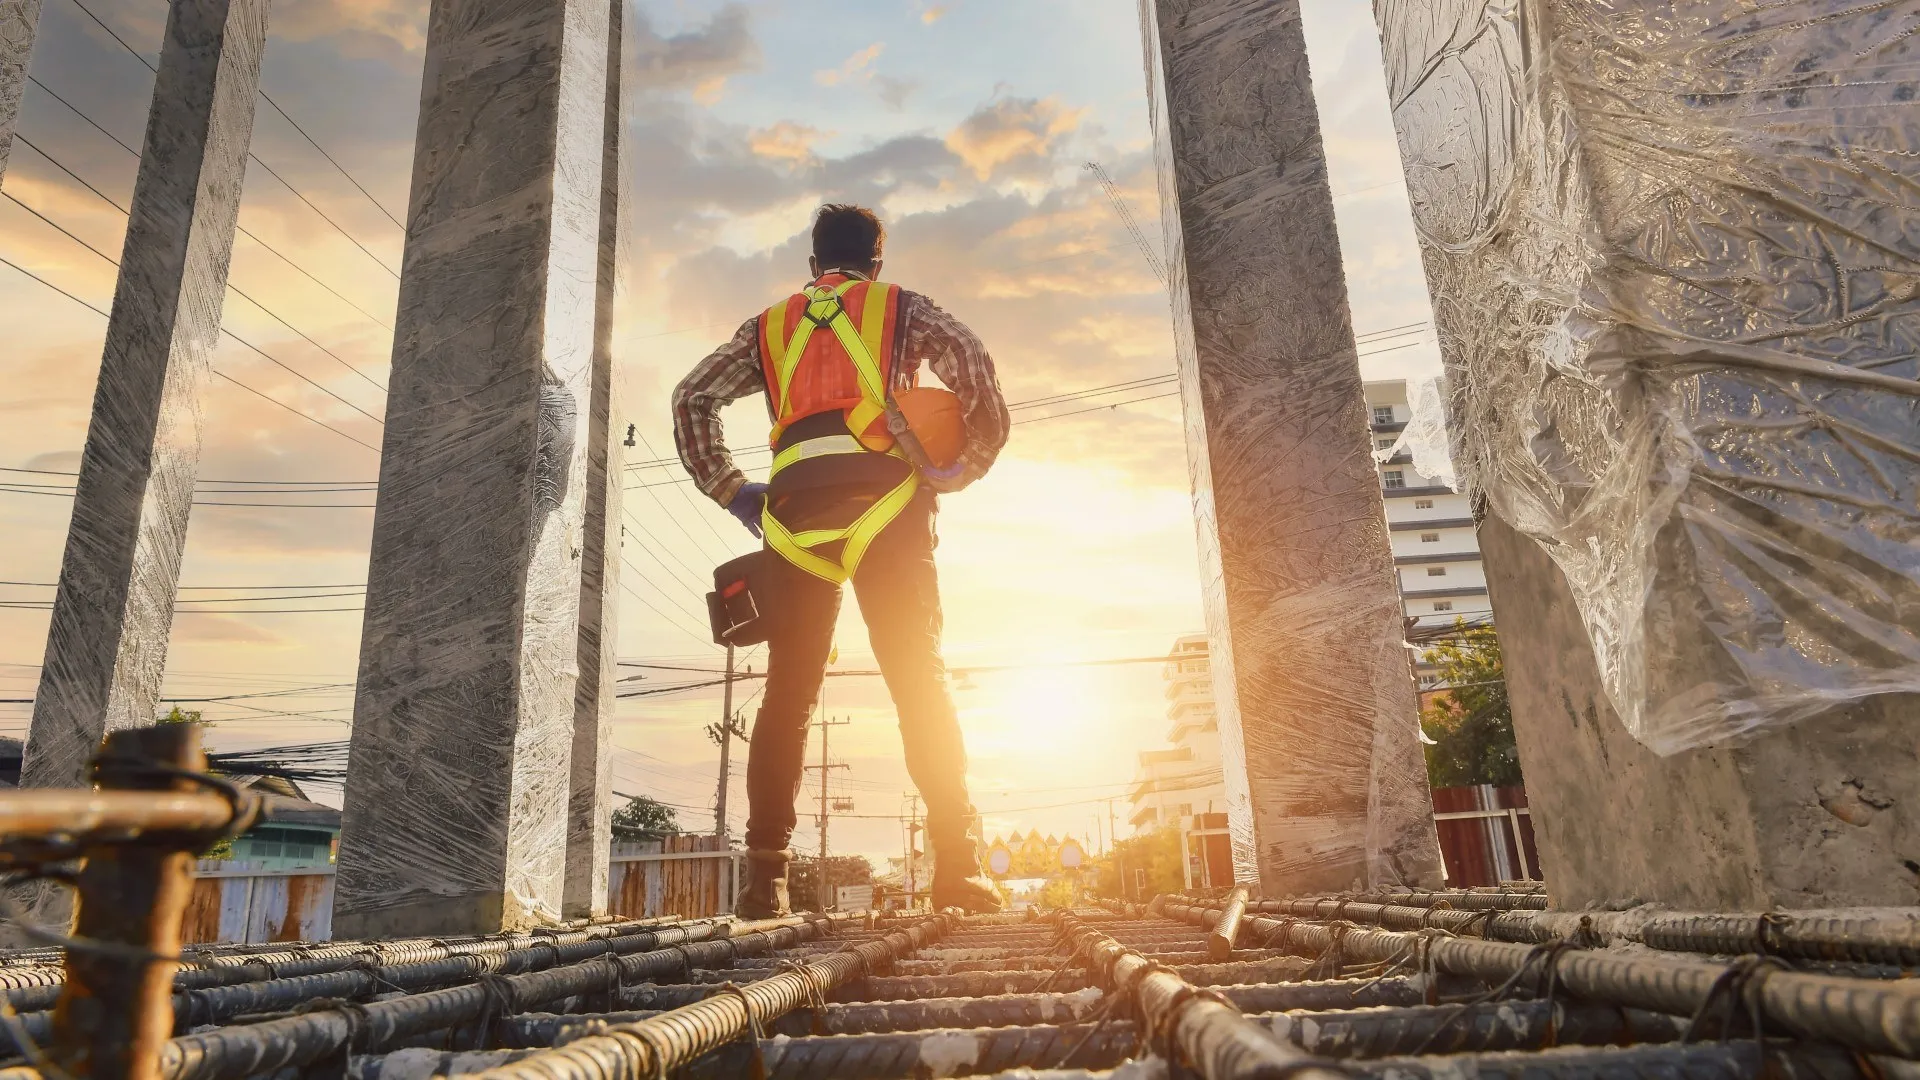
[
  {"x": 687, "y": 876},
  {"x": 243, "y": 903}
]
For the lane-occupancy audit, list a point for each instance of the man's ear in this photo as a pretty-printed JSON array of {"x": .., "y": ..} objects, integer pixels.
[{"x": 813, "y": 267}]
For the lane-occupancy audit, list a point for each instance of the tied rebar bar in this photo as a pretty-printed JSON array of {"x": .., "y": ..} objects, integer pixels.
[
  {"x": 659, "y": 1044},
  {"x": 1198, "y": 1026},
  {"x": 1874, "y": 1016}
]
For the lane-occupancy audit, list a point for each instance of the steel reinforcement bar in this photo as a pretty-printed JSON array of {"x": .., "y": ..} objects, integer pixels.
[
  {"x": 1220, "y": 1042},
  {"x": 1875, "y": 1016},
  {"x": 1841, "y": 936},
  {"x": 236, "y": 1052},
  {"x": 658, "y": 1045}
]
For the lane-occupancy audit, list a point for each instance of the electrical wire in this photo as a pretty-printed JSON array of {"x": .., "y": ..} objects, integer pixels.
[
  {"x": 115, "y": 263},
  {"x": 255, "y": 158},
  {"x": 217, "y": 373}
]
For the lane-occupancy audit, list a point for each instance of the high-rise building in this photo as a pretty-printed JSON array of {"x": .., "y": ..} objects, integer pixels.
[
  {"x": 1182, "y": 784},
  {"x": 1436, "y": 553}
]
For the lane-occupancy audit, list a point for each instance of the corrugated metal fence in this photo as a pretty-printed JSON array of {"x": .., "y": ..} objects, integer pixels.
[
  {"x": 244, "y": 902},
  {"x": 689, "y": 876},
  {"x": 233, "y": 901}
]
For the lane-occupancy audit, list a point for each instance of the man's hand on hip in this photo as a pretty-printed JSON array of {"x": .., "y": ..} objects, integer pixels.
[{"x": 747, "y": 505}]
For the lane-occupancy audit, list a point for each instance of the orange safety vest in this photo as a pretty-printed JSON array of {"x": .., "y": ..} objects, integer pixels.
[
  {"x": 823, "y": 376},
  {"x": 831, "y": 347}
]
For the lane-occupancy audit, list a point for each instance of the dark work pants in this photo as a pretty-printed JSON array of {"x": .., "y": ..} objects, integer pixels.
[{"x": 899, "y": 598}]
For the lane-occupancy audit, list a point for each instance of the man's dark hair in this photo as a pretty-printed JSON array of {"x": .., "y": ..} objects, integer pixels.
[{"x": 847, "y": 237}]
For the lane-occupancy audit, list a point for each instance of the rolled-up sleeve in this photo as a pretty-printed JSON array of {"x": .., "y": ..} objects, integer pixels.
[{"x": 728, "y": 374}]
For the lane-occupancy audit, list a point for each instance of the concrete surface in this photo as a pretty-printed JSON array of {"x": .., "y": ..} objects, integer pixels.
[{"x": 1326, "y": 785}]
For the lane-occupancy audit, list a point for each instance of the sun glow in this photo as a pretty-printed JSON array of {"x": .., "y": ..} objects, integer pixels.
[{"x": 1040, "y": 711}]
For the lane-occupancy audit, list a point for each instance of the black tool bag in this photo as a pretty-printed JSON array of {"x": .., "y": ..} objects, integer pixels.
[{"x": 737, "y": 607}]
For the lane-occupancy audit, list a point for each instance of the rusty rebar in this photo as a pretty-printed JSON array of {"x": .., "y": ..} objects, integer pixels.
[
  {"x": 1214, "y": 1036},
  {"x": 1221, "y": 937},
  {"x": 659, "y": 1044},
  {"x": 1875, "y": 1016}
]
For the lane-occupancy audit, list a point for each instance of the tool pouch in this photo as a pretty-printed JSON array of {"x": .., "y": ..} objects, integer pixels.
[{"x": 736, "y": 607}]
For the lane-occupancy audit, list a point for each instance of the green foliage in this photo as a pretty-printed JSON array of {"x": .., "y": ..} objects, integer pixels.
[
  {"x": 1157, "y": 852},
  {"x": 1061, "y": 892},
  {"x": 803, "y": 879},
  {"x": 644, "y": 819},
  {"x": 1471, "y": 725},
  {"x": 223, "y": 848}
]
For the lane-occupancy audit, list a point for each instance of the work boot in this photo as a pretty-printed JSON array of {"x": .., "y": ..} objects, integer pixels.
[
  {"x": 765, "y": 896},
  {"x": 958, "y": 879}
]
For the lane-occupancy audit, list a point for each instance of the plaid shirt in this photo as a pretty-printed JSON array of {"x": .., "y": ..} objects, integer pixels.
[{"x": 733, "y": 371}]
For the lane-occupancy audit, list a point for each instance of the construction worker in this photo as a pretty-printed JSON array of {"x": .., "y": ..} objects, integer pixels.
[{"x": 845, "y": 501}]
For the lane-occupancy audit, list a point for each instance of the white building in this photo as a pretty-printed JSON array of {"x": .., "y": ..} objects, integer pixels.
[
  {"x": 1182, "y": 784},
  {"x": 1435, "y": 550}
]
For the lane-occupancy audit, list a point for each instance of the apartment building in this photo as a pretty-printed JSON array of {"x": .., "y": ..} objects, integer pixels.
[{"x": 1435, "y": 550}]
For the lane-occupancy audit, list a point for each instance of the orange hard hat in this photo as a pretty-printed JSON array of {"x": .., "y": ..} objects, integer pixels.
[{"x": 934, "y": 416}]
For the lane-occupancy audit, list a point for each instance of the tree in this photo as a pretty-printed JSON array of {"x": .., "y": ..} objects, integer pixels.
[
  {"x": 644, "y": 819},
  {"x": 1471, "y": 724},
  {"x": 223, "y": 847},
  {"x": 1061, "y": 892},
  {"x": 1156, "y": 852},
  {"x": 803, "y": 879}
]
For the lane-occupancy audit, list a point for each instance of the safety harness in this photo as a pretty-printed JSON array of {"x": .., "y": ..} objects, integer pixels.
[{"x": 826, "y": 309}]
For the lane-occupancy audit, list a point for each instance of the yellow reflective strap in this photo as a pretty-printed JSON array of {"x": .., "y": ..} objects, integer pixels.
[
  {"x": 796, "y": 349},
  {"x": 813, "y": 448},
  {"x": 776, "y": 340},
  {"x": 863, "y": 363},
  {"x": 862, "y": 533},
  {"x": 783, "y": 544},
  {"x": 873, "y": 320}
]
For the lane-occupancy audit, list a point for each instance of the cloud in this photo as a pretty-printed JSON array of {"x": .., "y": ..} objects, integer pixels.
[
  {"x": 933, "y": 13},
  {"x": 894, "y": 92},
  {"x": 1012, "y": 132},
  {"x": 701, "y": 59},
  {"x": 856, "y": 68},
  {"x": 786, "y": 141}
]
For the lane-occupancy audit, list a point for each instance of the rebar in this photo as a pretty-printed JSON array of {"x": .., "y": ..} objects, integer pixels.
[
  {"x": 920, "y": 1053},
  {"x": 1692, "y": 1061},
  {"x": 1453, "y": 1029},
  {"x": 233, "y": 1053},
  {"x": 1875, "y": 1016},
  {"x": 1226, "y": 929},
  {"x": 1220, "y": 1042},
  {"x": 662, "y": 1043}
]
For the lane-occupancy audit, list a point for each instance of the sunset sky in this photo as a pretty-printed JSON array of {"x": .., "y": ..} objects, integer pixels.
[{"x": 965, "y": 123}]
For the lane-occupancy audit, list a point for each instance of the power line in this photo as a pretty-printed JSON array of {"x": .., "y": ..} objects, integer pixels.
[
  {"x": 115, "y": 263},
  {"x": 251, "y": 156},
  {"x": 242, "y": 229},
  {"x": 330, "y": 160},
  {"x": 218, "y": 373},
  {"x": 266, "y": 486}
]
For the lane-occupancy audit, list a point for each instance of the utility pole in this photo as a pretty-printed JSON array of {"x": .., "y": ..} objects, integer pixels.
[
  {"x": 913, "y": 832},
  {"x": 723, "y": 733},
  {"x": 826, "y": 726},
  {"x": 1119, "y": 861}
]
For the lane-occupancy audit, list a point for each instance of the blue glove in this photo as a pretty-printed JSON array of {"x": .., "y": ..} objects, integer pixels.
[
  {"x": 747, "y": 504},
  {"x": 944, "y": 480}
]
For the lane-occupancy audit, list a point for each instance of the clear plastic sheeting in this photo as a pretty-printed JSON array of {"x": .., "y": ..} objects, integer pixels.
[
  {"x": 1674, "y": 251},
  {"x": 1424, "y": 439}
]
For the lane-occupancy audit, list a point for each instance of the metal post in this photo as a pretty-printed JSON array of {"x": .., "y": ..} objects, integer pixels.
[
  {"x": 726, "y": 746},
  {"x": 115, "y": 1012},
  {"x": 1519, "y": 844},
  {"x": 825, "y": 901}
]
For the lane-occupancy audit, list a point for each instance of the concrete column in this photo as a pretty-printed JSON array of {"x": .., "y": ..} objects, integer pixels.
[
  {"x": 18, "y": 20},
  {"x": 590, "y": 791},
  {"x": 1664, "y": 268},
  {"x": 1326, "y": 786},
  {"x": 457, "y": 782},
  {"x": 107, "y": 645}
]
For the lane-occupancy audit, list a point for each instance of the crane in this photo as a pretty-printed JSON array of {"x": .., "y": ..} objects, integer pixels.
[{"x": 1126, "y": 218}]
